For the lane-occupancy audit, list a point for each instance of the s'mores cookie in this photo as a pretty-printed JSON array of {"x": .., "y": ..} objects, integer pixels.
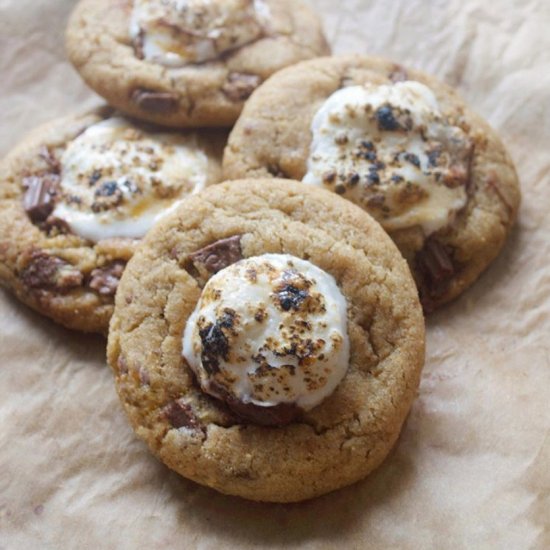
[
  {"x": 75, "y": 198},
  {"x": 399, "y": 144},
  {"x": 268, "y": 340},
  {"x": 188, "y": 62}
]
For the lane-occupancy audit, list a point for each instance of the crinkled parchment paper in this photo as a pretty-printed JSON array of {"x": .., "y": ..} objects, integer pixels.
[{"x": 472, "y": 468}]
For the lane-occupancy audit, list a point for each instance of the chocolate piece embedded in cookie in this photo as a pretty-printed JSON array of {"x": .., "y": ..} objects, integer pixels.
[
  {"x": 47, "y": 272},
  {"x": 180, "y": 415},
  {"x": 276, "y": 415},
  {"x": 219, "y": 255},
  {"x": 291, "y": 371},
  {"x": 39, "y": 198},
  {"x": 188, "y": 62},
  {"x": 155, "y": 102},
  {"x": 434, "y": 270},
  {"x": 79, "y": 195},
  {"x": 105, "y": 279},
  {"x": 399, "y": 144}
]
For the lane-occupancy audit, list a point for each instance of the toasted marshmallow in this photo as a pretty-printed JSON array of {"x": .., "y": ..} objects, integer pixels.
[
  {"x": 118, "y": 180},
  {"x": 390, "y": 150},
  {"x": 175, "y": 33},
  {"x": 267, "y": 331}
]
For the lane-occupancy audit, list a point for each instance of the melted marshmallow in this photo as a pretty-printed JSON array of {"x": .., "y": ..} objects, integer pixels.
[
  {"x": 175, "y": 33},
  {"x": 269, "y": 330},
  {"x": 390, "y": 150},
  {"x": 118, "y": 180}
]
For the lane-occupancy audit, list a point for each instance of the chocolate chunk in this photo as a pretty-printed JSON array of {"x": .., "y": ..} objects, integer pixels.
[
  {"x": 181, "y": 415},
  {"x": 435, "y": 268},
  {"x": 39, "y": 197},
  {"x": 105, "y": 280},
  {"x": 47, "y": 272},
  {"x": 218, "y": 255},
  {"x": 239, "y": 86},
  {"x": 435, "y": 260},
  {"x": 155, "y": 102},
  {"x": 276, "y": 416}
]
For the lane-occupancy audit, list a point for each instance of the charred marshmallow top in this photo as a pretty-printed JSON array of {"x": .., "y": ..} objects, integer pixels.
[
  {"x": 175, "y": 33},
  {"x": 117, "y": 180},
  {"x": 390, "y": 150},
  {"x": 269, "y": 330}
]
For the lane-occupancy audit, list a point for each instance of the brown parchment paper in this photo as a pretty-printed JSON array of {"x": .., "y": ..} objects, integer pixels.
[{"x": 472, "y": 468}]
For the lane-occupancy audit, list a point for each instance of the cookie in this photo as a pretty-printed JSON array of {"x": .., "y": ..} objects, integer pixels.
[
  {"x": 188, "y": 63},
  {"x": 397, "y": 143},
  {"x": 267, "y": 340},
  {"x": 75, "y": 198}
]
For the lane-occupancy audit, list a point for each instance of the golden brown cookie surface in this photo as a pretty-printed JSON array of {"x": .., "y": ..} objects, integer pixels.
[
  {"x": 274, "y": 138},
  {"x": 214, "y": 58},
  {"x": 53, "y": 255},
  {"x": 336, "y": 443}
]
